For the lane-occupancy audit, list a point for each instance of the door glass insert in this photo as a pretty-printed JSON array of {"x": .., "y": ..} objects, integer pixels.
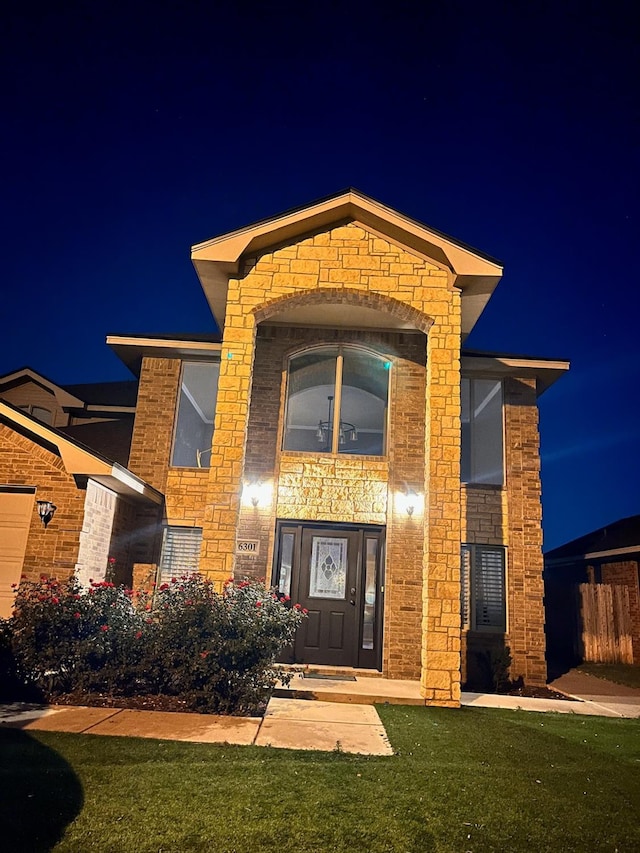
[
  {"x": 369, "y": 615},
  {"x": 286, "y": 562},
  {"x": 328, "y": 570}
]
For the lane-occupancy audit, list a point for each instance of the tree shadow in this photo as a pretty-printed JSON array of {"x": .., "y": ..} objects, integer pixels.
[{"x": 40, "y": 793}]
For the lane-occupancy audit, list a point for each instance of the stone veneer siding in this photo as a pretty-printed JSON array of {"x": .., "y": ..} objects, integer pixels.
[{"x": 351, "y": 265}]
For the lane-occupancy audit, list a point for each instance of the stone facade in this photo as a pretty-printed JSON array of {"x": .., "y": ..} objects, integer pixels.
[{"x": 349, "y": 265}]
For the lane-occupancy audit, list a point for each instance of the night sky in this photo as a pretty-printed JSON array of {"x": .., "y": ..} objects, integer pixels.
[{"x": 131, "y": 131}]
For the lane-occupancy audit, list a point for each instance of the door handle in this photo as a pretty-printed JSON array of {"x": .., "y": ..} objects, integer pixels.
[{"x": 352, "y": 602}]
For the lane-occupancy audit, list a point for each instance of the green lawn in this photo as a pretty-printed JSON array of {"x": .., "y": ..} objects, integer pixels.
[
  {"x": 619, "y": 673},
  {"x": 468, "y": 780}
]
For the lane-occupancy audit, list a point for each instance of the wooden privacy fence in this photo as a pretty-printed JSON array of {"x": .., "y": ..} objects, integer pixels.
[{"x": 606, "y": 623}]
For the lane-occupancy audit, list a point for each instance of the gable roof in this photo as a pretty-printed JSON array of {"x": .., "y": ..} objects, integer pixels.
[
  {"x": 616, "y": 539},
  {"x": 78, "y": 459},
  {"x": 63, "y": 396},
  {"x": 217, "y": 259}
]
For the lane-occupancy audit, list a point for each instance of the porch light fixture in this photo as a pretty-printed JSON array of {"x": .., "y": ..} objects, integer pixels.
[
  {"x": 256, "y": 493},
  {"x": 346, "y": 430},
  {"x": 46, "y": 509},
  {"x": 408, "y": 502}
]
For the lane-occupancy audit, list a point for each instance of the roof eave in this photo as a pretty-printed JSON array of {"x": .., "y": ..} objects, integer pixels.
[{"x": 216, "y": 260}]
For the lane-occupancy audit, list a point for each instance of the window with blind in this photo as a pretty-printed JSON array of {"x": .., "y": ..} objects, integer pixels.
[
  {"x": 180, "y": 552},
  {"x": 483, "y": 588}
]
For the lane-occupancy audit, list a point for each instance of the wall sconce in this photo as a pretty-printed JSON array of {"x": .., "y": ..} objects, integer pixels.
[
  {"x": 408, "y": 502},
  {"x": 256, "y": 493},
  {"x": 46, "y": 510}
]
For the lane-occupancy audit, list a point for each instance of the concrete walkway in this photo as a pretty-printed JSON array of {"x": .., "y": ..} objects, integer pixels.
[
  {"x": 287, "y": 724},
  {"x": 582, "y": 695},
  {"x": 342, "y": 717}
]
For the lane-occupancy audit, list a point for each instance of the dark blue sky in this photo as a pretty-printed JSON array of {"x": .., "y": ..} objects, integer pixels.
[{"x": 131, "y": 131}]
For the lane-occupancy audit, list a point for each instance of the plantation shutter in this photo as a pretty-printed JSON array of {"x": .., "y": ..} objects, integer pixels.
[
  {"x": 180, "y": 552},
  {"x": 465, "y": 586},
  {"x": 489, "y": 588}
]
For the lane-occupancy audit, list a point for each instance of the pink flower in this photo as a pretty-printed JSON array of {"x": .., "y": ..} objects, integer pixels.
[
  {"x": 104, "y": 627},
  {"x": 297, "y": 607},
  {"x": 188, "y": 603},
  {"x": 76, "y": 615},
  {"x": 258, "y": 604},
  {"x": 203, "y": 654},
  {"x": 138, "y": 634},
  {"x": 287, "y": 598},
  {"x": 111, "y": 561},
  {"x": 164, "y": 586},
  {"x": 55, "y": 600},
  {"x": 305, "y": 611}
]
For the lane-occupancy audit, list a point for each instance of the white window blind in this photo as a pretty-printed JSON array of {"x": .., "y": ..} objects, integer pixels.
[
  {"x": 180, "y": 552},
  {"x": 482, "y": 588}
]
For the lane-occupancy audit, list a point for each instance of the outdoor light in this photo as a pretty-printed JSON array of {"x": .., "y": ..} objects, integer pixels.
[
  {"x": 46, "y": 510},
  {"x": 256, "y": 493},
  {"x": 408, "y": 502}
]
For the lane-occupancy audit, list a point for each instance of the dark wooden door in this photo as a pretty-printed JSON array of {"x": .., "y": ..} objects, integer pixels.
[{"x": 329, "y": 588}]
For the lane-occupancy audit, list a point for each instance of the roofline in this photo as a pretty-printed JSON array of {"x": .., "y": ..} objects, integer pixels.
[
  {"x": 131, "y": 349},
  {"x": 545, "y": 371},
  {"x": 593, "y": 555},
  {"x": 351, "y": 192},
  {"x": 64, "y": 397},
  {"x": 78, "y": 459},
  {"x": 218, "y": 259}
]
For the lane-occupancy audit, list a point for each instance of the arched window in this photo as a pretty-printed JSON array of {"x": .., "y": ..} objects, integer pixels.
[{"x": 337, "y": 401}]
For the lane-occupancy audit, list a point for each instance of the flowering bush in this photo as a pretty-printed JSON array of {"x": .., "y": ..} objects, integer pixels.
[{"x": 216, "y": 651}]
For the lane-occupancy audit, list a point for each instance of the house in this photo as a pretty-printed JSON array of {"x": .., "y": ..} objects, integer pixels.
[
  {"x": 338, "y": 440},
  {"x": 608, "y": 560}
]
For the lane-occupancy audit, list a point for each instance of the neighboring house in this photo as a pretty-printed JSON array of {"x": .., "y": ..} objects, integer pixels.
[
  {"x": 609, "y": 556},
  {"x": 338, "y": 441},
  {"x": 99, "y": 507}
]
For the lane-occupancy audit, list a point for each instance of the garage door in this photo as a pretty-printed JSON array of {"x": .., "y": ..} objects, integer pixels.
[{"x": 16, "y": 507}]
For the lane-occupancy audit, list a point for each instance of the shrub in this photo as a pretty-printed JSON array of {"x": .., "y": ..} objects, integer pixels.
[{"x": 216, "y": 651}]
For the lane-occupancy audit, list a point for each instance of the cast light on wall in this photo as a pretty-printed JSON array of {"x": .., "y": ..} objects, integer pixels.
[
  {"x": 409, "y": 502},
  {"x": 46, "y": 509},
  {"x": 256, "y": 494}
]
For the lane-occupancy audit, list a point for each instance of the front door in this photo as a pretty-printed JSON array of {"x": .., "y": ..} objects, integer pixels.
[{"x": 334, "y": 572}]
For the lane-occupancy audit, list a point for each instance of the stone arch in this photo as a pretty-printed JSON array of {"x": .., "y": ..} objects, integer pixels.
[{"x": 345, "y": 296}]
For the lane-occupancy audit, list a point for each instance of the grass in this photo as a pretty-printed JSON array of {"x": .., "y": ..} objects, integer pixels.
[
  {"x": 619, "y": 673},
  {"x": 469, "y": 780}
]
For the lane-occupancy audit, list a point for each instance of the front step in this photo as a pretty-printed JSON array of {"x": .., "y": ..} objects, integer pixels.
[{"x": 365, "y": 690}]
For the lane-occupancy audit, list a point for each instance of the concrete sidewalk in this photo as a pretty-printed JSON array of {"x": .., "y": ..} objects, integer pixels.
[
  {"x": 613, "y": 701},
  {"x": 287, "y": 724},
  {"x": 341, "y": 717}
]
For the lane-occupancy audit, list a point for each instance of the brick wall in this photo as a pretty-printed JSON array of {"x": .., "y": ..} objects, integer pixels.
[
  {"x": 627, "y": 574},
  {"x": 52, "y": 550},
  {"x": 525, "y": 602},
  {"x": 155, "y": 415},
  {"x": 95, "y": 537}
]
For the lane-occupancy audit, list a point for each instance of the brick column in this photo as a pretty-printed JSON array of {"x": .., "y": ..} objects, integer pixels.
[{"x": 525, "y": 590}]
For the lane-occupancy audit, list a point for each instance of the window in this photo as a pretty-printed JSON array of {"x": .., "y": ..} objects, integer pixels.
[
  {"x": 482, "y": 442},
  {"x": 482, "y": 588},
  {"x": 337, "y": 402},
  {"x": 40, "y": 413},
  {"x": 180, "y": 552},
  {"x": 196, "y": 412}
]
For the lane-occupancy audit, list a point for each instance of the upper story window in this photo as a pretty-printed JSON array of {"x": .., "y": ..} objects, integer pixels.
[
  {"x": 196, "y": 412},
  {"x": 337, "y": 401},
  {"x": 482, "y": 432},
  {"x": 39, "y": 412}
]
